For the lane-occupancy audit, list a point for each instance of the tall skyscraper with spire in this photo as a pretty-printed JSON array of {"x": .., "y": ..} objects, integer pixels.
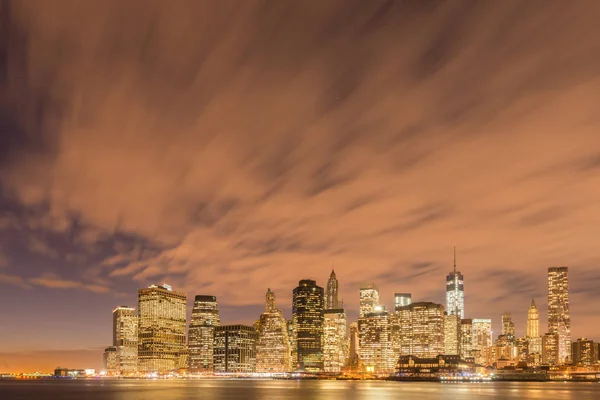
[
  {"x": 533, "y": 330},
  {"x": 331, "y": 295},
  {"x": 559, "y": 320},
  {"x": 455, "y": 292}
]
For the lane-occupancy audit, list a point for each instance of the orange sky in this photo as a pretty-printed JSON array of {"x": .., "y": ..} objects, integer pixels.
[{"x": 227, "y": 147}]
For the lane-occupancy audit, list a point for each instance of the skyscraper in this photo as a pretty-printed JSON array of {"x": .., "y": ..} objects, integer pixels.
[
  {"x": 161, "y": 329},
  {"x": 307, "y": 317},
  {"x": 508, "y": 327},
  {"x": 452, "y": 330},
  {"x": 354, "y": 345},
  {"x": 455, "y": 292},
  {"x": 559, "y": 320},
  {"x": 235, "y": 349},
  {"x": 201, "y": 333},
  {"x": 374, "y": 342},
  {"x": 125, "y": 338},
  {"x": 369, "y": 299},
  {"x": 273, "y": 345},
  {"x": 110, "y": 360},
  {"x": 466, "y": 338},
  {"x": 482, "y": 338},
  {"x": 335, "y": 349},
  {"x": 421, "y": 327},
  {"x": 533, "y": 330},
  {"x": 584, "y": 352},
  {"x": 402, "y": 299},
  {"x": 331, "y": 298}
]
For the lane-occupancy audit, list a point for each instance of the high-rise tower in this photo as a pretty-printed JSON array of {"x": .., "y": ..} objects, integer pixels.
[
  {"x": 559, "y": 320},
  {"x": 455, "y": 292},
  {"x": 201, "y": 333},
  {"x": 125, "y": 338},
  {"x": 161, "y": 329},
  {"x": 273, "y": 344},
  {"x": 508, "y": 327},
  {"x": 331, "y": 298},
  {"x": 533, "y": 329},
  {"x": 369, "y": 299},
  {"x": 307, "y": 314}
]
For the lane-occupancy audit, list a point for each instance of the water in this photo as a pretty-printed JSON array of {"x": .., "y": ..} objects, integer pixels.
[{"x": 282, "y": 390}]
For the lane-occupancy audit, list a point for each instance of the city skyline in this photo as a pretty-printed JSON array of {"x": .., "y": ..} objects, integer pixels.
[{"x": 226, "y": 153}]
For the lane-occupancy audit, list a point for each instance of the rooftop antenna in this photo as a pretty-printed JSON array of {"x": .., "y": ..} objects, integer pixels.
[{"x": 454, "y": 260}]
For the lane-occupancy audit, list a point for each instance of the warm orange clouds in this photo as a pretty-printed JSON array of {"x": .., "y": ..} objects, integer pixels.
[{"x": 252, "y": 143}]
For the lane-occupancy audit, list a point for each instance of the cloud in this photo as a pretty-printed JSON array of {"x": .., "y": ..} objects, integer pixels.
[{"x": 378, "y": 134}]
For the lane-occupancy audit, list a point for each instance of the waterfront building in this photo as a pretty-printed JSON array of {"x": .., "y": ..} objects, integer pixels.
[
  {"x": 432, "y": 367},
  {"x": 402, "y": 299},
  {"x": 508, "y": 327},
  {"x": 331, "y": 297},
  {"x": 482, "y": 339},
  {"x": 374, "y": 342},
  {"x": 533, "y": 337},
  {"x": 421, "y": 329},
  {"x": 559, "y": 320},
  {"x": 550, "y": 349},
  {"x": 111, "y": 360},
  {"x": 273, "y": 352},
  {"x": 466, "y": 339},
  {"x": 161, "y": 329},
  {"x": 455, "y": 292},
  {"x": 584, "y": 352},
  {"x": 335, "y": 344},
  {"x": 235, "y": 349},
  {"x": 201, "y": 333},
  {"x": 307, "y": 317},
  {"x": 369, "y": 299},
  {"x": 452, "y": 330},
  {"x": 125, "y": 339}
]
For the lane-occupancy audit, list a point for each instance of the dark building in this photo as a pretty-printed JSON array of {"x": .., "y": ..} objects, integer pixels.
[
  {"x": 235, "y": 349},
  {"x": 432, "y": 366},
  {"x": 307, "y": 310},
  {"x": 201, "y": 333},
  {"x": 584, "y": 352}
]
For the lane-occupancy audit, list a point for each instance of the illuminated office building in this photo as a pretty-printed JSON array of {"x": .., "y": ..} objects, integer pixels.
[
  {"x": 452, "y": 329},
  {"x": 402, "y": 299},
  {"x": 110, "y": 360},
  {"x": 335, "y": 348},
  {"x": 508, "y": 327},
  {"x": 125, "y": 339},
  {"x": 331, "y": 295},
  {"x": 374, "y": 342},
  {"x": 161, "y": 329},
  {"x": 533, "y": 330},
  {"x": 466, "y": 339},
  {"x": 559, "y": 320},
  {"x": 584, "y": 353},
  {"x": 455, "y": 292},
  {"x": 482, "y": 338},
  {"x": 273, "y": 352},
  {"x": 235, "y": 349},
  {"x": 550, "y": 349},
  {"x": 307, "y": 317},
  {"x": 201, "y": 333},
  {"x": 421, "y": 329},
  {"x": 369, "y": 300}
]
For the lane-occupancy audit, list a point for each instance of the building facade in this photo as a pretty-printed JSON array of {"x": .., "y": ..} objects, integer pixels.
[
  {"x": 559, "y": 320},
  {"x": 482, "y": 338},
  {"x": 273, "y": 352},
  {"x": 375, "y": 350},
  {"x": 584, "y": 352},
  {"x": 550, "y": 349},
  {"x": 125, "y": 339},
  {"x": 331, "y": 295},
  {"x": 335, "y": 340},
  {"x": 201, "y": 333},
  {"x": 353, "y": 357},
  {"x": 452, "y": 338},
  {"x": 508, "y": 326},
  {"x": 161, "y": 329},
  {"x": 534, "y": 340},
  {"x": 421, "y": 329},
  {"x": 235, "y": 349},
  {"x": 307, "y": 317},
  {"x": 466, "y": 339},
  {"x": 369, "y": 299},
  {"x": 455, "y": 292},
  {"x": 110, "y": 360},
  {"x": 402, "y": 299}
]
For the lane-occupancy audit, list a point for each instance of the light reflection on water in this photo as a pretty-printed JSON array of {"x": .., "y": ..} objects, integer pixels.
[{"x": 291, "y": 390}]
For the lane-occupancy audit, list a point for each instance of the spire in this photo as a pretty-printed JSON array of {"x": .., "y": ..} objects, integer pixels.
[
  {"x": 455, "y": 260},
  {"x": 532, "y": 302}
]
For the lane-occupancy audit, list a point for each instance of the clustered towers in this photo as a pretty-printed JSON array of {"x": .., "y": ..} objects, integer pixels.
[{"x": 317, "y": 338}]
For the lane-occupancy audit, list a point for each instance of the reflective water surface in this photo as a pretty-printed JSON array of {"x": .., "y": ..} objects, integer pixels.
[{"x": 265, "y": 389}]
